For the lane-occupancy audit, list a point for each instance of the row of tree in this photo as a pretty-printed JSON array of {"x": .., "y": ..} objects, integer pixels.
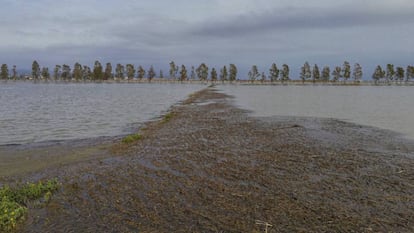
[
  {"x": 338, "y": 73},
  {"x": 392, "y": 74},
  {"x": 202, "y": 73}
]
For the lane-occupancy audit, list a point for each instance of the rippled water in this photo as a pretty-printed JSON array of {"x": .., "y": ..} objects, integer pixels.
[
  {"x": 43, "y": 112},
  {"x": 387, "y": 107}
]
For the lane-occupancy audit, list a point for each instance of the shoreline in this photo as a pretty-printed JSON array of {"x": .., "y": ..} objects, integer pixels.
[
  {"x": 292, "y": 82},
  {"x": 213, "y": 168}
]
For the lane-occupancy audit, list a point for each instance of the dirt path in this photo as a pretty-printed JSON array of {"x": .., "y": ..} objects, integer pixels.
[{"x": 212, "y": 168}]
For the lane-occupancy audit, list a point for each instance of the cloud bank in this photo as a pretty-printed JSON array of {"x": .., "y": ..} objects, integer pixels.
[{"x": 217, "y": 32}]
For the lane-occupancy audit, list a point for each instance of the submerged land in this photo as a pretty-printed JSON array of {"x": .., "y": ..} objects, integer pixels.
[{"x": 210, "y": 167}]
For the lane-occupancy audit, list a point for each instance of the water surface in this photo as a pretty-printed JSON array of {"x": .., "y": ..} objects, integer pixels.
[
  {"x": 387, "y": 107},
  {"x": 32, "y": 113}
]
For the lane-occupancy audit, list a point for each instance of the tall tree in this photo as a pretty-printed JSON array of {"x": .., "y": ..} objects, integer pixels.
[
  {"x": 183, "y": 73},
  {"x": 316, "y": 74},
  {"x": 66, "y": 75},
  {"x": 336, "y": 74},
  {"x": 193, "y": 73},
  {"x": 400, "y": 73},
  {"x": 14, "y": 72},
  {"x": 409, "y": 73},
  {"x": 390, "y": 72},
  {"x": 253, "y": 73},
  {"x": 108, "y": 71},
  {"x": 57, "y": 72},
  {"x": 173, "y": 70},
  {"x": 77, "y": 71},
  {"x": 223, "y": 74},
  {"x": 45, "y": 73},
  {"x": 213, "y": 75},
  {"x": 274, "y": 73},
  {"x": 35, "y": 70},
  {"x": 141, "y": 72},
  {"x": 202, "y": 72},
  {"x": 119, "y": 72},
  {"x": 346, "y": 70},
  {"x": 263, "y": 77},
  {"x": 4, "y": 73},
  {"x": 151, "y": 74},
  {"x": 86, "y": 73},
  {"x": 130, "y": 70},
  {"x": 161, "y": 74},
  {"x": 97, "y": 71},
  {"x": 378, "y": 74},
  {"x": 326, "y": 74},
  {"x": 357, "y": 74},
  {"x": 305, "y": 73},
  {"x": 285, "y": 73},
  {"x": 232, "y": 73}
]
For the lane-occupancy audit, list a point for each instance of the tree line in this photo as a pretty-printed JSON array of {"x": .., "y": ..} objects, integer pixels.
[{"x": 226, "y": 74}]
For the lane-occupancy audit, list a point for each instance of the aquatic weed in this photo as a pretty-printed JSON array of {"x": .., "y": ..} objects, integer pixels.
[{"x": 13, "y": 201}]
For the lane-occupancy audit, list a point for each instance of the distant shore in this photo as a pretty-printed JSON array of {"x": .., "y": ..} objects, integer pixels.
[
  {"x": 209, "y": 167},
  {"x": 209, "y": 82}
]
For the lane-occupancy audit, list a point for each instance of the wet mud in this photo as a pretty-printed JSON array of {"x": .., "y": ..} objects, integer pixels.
[{"x": 212, "y": 168}]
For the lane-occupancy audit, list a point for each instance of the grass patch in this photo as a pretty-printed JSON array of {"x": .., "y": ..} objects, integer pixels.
[
  {"x": 13, "y": 201},
  {"x": 168, "y": 117},
  {"x": 132, "y": 138}
]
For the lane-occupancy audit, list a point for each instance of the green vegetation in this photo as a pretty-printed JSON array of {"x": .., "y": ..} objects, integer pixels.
[
  {"x": 119, "y": 72},
  {"x": 203, "y": 73},
  {"x": 213, "y": 75},
  {"x": 45, "y": 73},
  {"x": 183, "y": 73},
  {"x": 173, "y": 70},
  {"x": 223, "y": 74},
  {"x": 13, "y": 201},
  {"x": 130, "y": 70},
  {"x": 131, "y": 138},
  {"x": 151, "y": 74},
  {"x": 274, "y": 73},
  {"x": 141, "y": 72},
  {"x": 305, "y": 72},
  {"x": 285, "y": 73},
  {"x": 4, "y": 73},
  {"x": 97, "y": 73},
  {"x": 253, "y": 73},
  {"x": 35, "y": 70},
  {"x": 232, "y": 73},
  {"x": 167, "y": 117}
]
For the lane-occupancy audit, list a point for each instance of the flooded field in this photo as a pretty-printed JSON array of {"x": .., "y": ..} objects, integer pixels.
[
  {"x": 213, "y": 168},
  {"x": 31, "y": 113},
  {"x": 386, "y": 107}
]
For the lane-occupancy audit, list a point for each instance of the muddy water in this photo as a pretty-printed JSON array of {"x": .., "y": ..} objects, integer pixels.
[
  {"x": 31, "y": 113},
  {"x": 386, "y": 107}
]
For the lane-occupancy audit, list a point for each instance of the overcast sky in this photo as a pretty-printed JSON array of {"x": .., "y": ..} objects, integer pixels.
[{"x": 218, "y": 32}]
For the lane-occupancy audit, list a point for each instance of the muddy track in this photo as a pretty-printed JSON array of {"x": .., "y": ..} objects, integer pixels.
[{"x": 212, "y": 168}]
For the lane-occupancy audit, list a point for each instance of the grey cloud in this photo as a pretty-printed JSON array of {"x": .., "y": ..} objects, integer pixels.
[{"x": 288, "y": 19}]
